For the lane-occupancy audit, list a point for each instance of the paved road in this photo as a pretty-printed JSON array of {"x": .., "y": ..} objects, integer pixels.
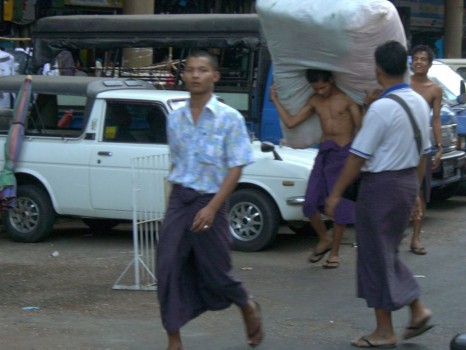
[{"x": 304, "y": 306}]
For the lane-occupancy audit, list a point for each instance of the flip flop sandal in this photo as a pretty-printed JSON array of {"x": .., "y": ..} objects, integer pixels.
[
  {"x": 363, "y": 342},
  {"x": 331, "y": 264},
  {"x": 418, "y": 329},
  {"x": 316, "y": 257},
  {"x": 418, "y": 250}
]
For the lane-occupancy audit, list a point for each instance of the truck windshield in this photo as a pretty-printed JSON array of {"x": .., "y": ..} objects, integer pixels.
[{"x": 448, "y": 79}]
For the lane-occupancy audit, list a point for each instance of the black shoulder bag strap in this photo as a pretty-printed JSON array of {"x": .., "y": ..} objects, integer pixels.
[{"x": 416, "y": 130}]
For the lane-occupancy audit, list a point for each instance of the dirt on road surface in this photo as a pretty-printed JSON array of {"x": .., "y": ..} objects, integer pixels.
[{"x": 57, "y": 294}]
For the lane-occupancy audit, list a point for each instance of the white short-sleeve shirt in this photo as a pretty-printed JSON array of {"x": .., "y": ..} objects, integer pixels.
[{"x": 386, "y": 138}]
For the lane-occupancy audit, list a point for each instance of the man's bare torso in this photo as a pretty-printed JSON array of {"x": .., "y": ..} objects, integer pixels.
[
  {"x": 335, "y": 118},
  {"x": 426, "y": 89}
]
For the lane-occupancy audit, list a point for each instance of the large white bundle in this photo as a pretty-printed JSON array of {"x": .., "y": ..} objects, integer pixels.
[{"x": 337, "y": 35}]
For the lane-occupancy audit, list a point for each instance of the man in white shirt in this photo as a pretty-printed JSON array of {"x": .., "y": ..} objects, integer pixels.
[{"x": 391, "y": 162}]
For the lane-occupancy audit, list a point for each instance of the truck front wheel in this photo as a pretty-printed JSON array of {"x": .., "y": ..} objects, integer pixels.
[
  {"x": 254, "y": 220},
  {"x": 32, "y": 217},
  {"x": 101, "y": 224}
]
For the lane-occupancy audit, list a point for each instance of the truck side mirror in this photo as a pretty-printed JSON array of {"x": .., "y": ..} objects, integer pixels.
[
  {"x": 461, "y": 99},
  {"x": 270, "y": 147}
]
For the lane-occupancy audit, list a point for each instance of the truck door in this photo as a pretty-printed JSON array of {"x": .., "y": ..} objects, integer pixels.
[{"x": 130, "y": 129}]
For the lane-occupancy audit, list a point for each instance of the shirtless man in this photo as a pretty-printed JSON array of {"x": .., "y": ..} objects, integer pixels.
[
  {"x": 422, "y": 57},
  {"x": 340, "y": 117}
]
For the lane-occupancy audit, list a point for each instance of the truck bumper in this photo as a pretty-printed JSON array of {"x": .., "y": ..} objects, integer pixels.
[
  {"x": 462, "y": 146},
  {"x": 450, "y": 170}
]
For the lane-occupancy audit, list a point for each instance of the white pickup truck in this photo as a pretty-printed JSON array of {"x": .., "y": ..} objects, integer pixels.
[{"x": 77, "y": 151}]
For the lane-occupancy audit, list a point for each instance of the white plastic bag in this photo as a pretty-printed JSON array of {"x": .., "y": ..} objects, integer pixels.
[{"x": 338, "y": 35}]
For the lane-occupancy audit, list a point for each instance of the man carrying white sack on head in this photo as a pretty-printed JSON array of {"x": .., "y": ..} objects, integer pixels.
[
  {"x": 340, "y": 36},
  {"x": 340, "y": 118}
]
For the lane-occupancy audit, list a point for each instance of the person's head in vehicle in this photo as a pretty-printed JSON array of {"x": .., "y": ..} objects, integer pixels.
[
  {"x": 201, "y": 73},
  {"x": 422, "y": 58},
  {"x": 322, "y": 81},
  {"x": 121, "y": 118}
]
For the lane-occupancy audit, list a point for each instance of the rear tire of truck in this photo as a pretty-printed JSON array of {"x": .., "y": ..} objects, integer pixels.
[
  {"x": 254, "y": 220},
  {"x": 31, "y": 219},
  {"x": 440, "y": 194},
  {"x": 101, "y": 224}
]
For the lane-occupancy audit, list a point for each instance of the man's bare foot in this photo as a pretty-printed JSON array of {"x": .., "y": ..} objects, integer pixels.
[
  {"x": 174, "y": 341},
  {"x": 416, "y": 246},
  {"x": 175, "y": 347},
  {"x": 418, "y": 316},
  {"x": 252, "y": 319}
]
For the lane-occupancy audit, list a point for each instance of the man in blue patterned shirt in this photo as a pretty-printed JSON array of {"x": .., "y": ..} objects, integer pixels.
[{"x": 209, "y": 146}]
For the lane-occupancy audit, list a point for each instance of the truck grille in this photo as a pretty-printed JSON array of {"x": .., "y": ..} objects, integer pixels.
[{"x": 449, "y": 136}]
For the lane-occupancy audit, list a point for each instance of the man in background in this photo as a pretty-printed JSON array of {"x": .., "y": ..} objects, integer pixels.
[{"x": 422, "y": 58}]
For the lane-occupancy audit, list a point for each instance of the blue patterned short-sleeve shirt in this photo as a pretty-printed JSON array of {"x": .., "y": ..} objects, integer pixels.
[{"x": 202, "y": 154}]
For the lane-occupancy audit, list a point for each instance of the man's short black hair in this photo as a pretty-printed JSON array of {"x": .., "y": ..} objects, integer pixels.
[
  {"x": 423, "y": 48},
  {"x": 316, "y": 75},
  {"x": 392, "y": 58},
  {"x": 202, "y": 53}
]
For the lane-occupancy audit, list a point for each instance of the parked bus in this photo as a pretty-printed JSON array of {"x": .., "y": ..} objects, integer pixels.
[{"x": 237, "y": 41}]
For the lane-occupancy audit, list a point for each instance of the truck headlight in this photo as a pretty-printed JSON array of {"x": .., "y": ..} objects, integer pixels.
[{"x": 461, "y": 142}]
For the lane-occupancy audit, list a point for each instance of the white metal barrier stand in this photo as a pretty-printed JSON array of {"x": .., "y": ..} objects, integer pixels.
[{"x": 149, "y": 201}]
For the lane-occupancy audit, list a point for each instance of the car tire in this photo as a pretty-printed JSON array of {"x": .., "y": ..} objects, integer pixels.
[
  {"x": 101, "y": 224},
  {"x": 254, "y": 220},
  {"x": 461, "y": 189},
  {"x": 32, "y": 218}
]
